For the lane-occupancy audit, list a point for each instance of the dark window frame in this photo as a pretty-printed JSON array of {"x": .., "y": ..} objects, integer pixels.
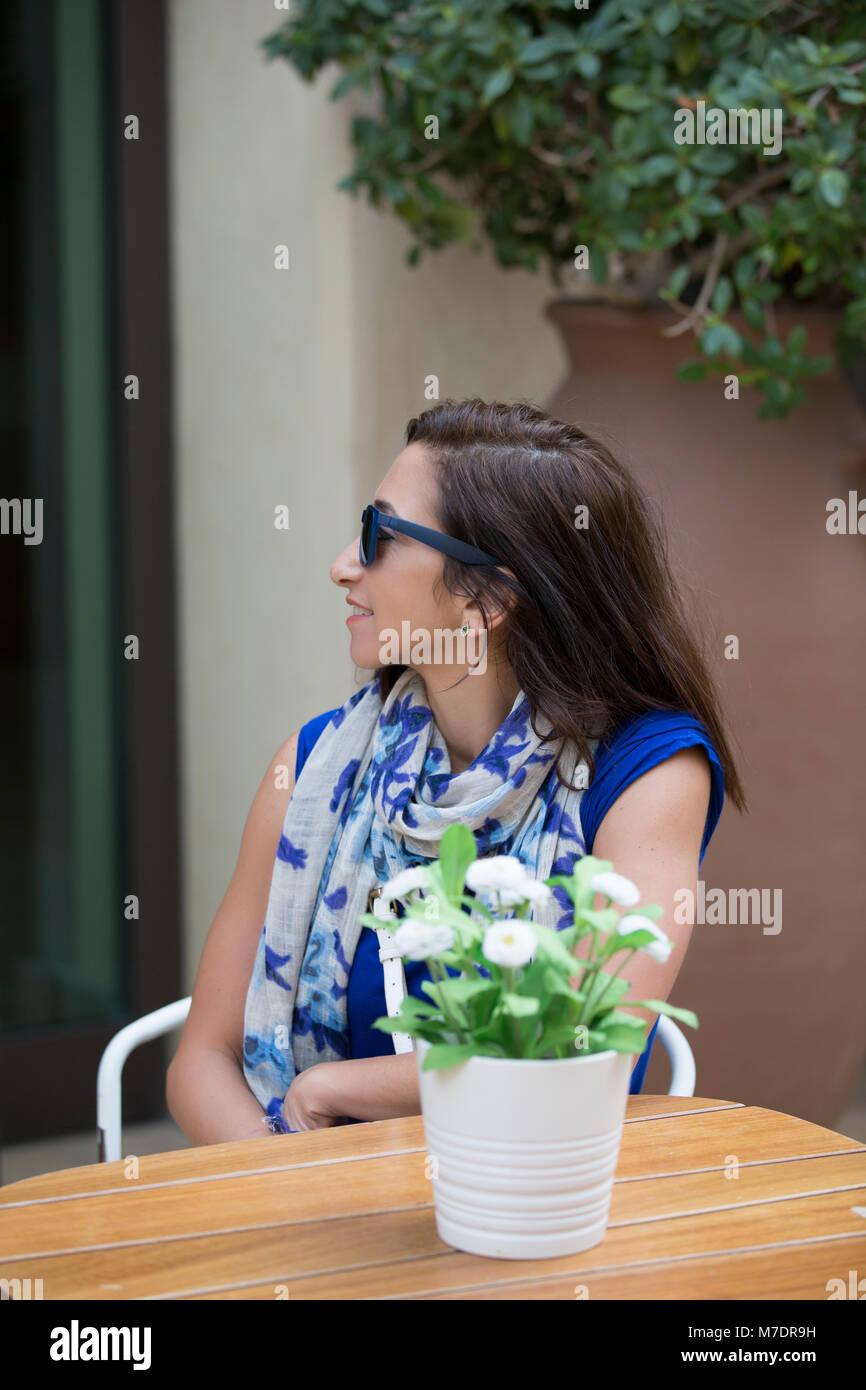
[{"x": 50, "y": 1073}]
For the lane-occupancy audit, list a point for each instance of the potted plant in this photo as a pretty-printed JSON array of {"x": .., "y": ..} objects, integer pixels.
[
  {"x": 524, "y": 1052},
  {"x": 585, "y": 138}
]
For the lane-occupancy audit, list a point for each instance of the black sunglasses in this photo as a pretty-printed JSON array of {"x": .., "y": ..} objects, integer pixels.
[{"x": 372, "y": 518}]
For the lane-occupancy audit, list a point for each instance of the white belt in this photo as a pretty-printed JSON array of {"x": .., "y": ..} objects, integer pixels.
[{"x": 392, "y": 968}]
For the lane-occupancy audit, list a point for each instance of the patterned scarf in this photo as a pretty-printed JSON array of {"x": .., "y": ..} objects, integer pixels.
[{"x": 374, "y": 797}]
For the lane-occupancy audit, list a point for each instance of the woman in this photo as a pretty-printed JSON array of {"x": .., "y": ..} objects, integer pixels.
[{"x": 588, "y": 725}]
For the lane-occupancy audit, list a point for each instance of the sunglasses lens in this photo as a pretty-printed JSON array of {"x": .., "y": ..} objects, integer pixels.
[{"x": 366, "y": 528}]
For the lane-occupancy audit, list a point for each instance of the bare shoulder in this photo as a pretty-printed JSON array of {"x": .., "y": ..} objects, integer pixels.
[{"x": 670, "y": 800}]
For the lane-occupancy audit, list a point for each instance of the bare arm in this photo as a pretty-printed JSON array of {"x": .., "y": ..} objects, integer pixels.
[
  {"x": 371, "y": 1088},
  {"x": 210, "y": 1100},
  {"x": 206, "y": 1091},
  {"x": 652, "y": 833}
]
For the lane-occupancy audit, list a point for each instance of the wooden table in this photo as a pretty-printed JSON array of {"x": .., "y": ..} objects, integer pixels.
[{"x": 712, "y": 1200}]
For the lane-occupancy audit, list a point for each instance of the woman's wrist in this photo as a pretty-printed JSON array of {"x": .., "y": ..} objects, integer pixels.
[{"x": 368, "y": 1088}]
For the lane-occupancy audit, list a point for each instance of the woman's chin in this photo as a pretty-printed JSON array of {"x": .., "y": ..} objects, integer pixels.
[{"x": 365, "y": 655}]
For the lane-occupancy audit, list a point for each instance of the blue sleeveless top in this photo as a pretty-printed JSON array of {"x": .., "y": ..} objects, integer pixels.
[{"x": 636, "y": 747}]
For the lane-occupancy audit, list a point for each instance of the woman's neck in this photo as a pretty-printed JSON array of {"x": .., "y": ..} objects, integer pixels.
[{"x": 469, "y": 713}]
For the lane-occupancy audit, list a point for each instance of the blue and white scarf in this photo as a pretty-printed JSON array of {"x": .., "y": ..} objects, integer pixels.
[{"x": 374, "y": 797}]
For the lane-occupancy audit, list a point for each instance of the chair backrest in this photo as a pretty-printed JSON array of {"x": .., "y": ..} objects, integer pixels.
[
  {"x": 108, "y": 1090},
  {"x": 680, "y": 1056}
]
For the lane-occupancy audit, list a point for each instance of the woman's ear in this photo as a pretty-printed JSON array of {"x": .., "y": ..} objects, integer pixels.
[{"x": 496, "y": 612}]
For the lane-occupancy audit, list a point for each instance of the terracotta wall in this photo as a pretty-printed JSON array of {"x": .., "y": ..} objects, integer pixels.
[{"x": 782, "y": 1015}]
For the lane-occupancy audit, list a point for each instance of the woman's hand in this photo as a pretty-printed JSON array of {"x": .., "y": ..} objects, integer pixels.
[{"x": 308, "y": 1100}]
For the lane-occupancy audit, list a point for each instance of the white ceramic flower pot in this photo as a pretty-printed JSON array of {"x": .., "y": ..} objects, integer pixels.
[{"x": 525, "y": 1151}]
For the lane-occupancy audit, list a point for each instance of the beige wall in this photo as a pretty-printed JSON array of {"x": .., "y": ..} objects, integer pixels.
[{"x": 291, "y": 387}]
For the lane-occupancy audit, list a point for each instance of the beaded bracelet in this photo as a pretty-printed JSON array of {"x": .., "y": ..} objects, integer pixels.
[{"x": 277, "y": 1125}]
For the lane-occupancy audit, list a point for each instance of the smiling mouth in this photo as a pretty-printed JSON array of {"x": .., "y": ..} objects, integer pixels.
[{"x": 361, "y": 612}]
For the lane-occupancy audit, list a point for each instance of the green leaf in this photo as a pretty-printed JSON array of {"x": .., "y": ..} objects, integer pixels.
[
  {"x": 496, "y": 85},
  {"x": 546, "y": 46},
  {"x": 608, "y": 989},
  {"x": 797, "y": 339},
  {"x": 730, "y": 36},
  {"x": 554, "y": 983},
  {"x": 457, "y": 989},
  {"x": 522, "y": 120},
  {"x": 626, "y": 941},
  {"x": 753, "y": 217},
  {"x": 707, "y": 204},
  {"x": 666, "y": 19},
  {"x": 684, "y": 182},
  {"x": 604, "y": 918},
  {"x": 833, "y": 186},
  {"x": 457, "y": 850},
  {"x": 709, "y": 159},
  {"x": 397, "y": 1025},
  {"x": 687, "y": 51},
  {"x": 598, "y": 265},
  {"x": 808, "y": 48},
  {"x": 678, "y": 281},
  {"x": 744, "y": 272},
  {"x": 353, "y": 78},
  {"x": 660, "y": 1007},
  {"x": 693, "y": 371},
  {"x": 689, "y": 223},
  {"x": 551, "y": 950},
  {"x": 519, "y": 1005},
  {"x": 588, "y": 64},
  {"x": 449, "y": 1054},
  {"x": 721, "y": 337},
  {"x": 723, "y": 295},
  {"x": 754, "y": 314},
  {"x": 658, "y": 166},
  {"x": 629, "y": 98},
  {"x": 621, "y": 1038}
]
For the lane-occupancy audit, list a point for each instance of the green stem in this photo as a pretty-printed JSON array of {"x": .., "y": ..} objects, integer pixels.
[
  {"x": 513, "y": 1022},
  {"x": 435, "y": 968},
  {"x": 610, "y": 981},
  {"x": 591, "y": 968}
]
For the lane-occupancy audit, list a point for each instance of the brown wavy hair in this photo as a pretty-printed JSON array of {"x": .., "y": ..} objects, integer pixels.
[{"x": 597, "y": 631}]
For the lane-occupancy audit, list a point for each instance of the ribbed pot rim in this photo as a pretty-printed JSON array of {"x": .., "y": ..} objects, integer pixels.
[{"x": 608, "y": 1053}]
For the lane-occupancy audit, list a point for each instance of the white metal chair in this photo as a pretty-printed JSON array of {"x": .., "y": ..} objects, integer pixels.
[
  {"x": 108, "y": 1091},
  {"x": 680, "y": 1056},
  {"x": 108, "y": 1098}
]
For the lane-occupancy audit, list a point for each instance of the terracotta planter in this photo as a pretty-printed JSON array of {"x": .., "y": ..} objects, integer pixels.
[
  {"x": 782, "y": 1016},
  {"x": 524, "y": 1152}
]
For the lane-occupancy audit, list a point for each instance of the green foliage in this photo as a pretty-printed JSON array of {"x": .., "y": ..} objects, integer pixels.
[
  {"x": 558, "y": 1004},
  {"x": 556, "y": 130}
]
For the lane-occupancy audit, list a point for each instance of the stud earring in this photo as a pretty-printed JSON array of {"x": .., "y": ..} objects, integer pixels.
[{"x": 465, "y": 627}]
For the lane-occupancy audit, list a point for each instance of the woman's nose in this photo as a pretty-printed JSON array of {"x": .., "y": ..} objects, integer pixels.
[{"x": 348, "y": 563}]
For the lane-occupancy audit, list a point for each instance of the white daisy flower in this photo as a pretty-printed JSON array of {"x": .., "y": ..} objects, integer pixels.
[
  {"x": 509, "y": 943},
  {"x": 492, "y": 875},
  {"x": 418, "y": 940},
  {"x": 406, "y": 882},
  {"x": 532, "y": 890},
  {"x": 659, "y": 949},
  {"x": 616, "y": 887}
]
